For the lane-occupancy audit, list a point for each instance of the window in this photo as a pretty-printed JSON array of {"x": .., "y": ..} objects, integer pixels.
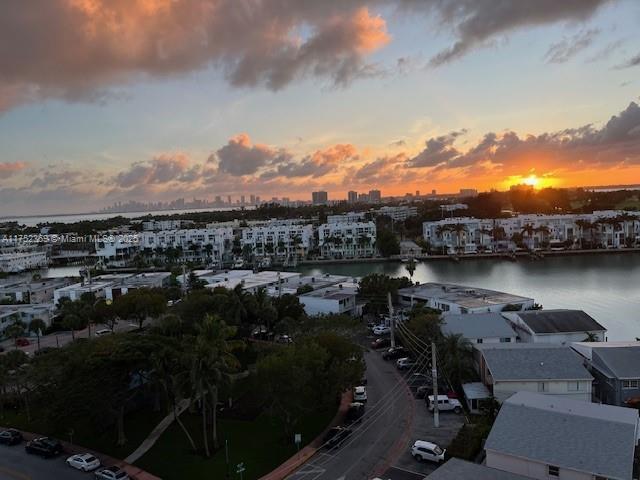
[
  {"x": 479, "y": 340},
  {"x": 630, "y": 384},
  {"x": 542, "y": 387},
  {"x": 573, "y": 386},
  {"x": 505, "y": 340},
  {"x": 553, "y": 471}
]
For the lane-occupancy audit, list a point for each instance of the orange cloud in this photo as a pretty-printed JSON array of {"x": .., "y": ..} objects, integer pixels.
[{"x": 8, "y": 169}]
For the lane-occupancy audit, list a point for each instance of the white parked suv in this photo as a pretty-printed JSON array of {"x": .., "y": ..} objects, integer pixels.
[
  {"x": 428, "y": 451},
  {"x": 445, "y": 404},
  {"x": 360, "y": 394},
  {"x": 381, "y": 330},
  {"x": 83, "y": 461}
]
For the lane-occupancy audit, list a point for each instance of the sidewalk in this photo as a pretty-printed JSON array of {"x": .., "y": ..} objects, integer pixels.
[
  {"x": 293, "y": 463},
  {"x": 70, "y": 449},
  {"x": 156, "y": 432}
]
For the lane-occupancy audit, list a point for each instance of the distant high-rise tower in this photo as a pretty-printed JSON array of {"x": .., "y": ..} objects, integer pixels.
[
  {"x": 229, "y": 199},
  {"x": 252, "y": 199},
  {"x": 242, "y": 199},
  {"x": 319, "y": 198},
  {"x": 352, "y": 197},
  {"x": 374, "y": 196}
]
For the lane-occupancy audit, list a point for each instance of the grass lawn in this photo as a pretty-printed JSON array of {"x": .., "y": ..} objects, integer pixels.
[
  {"x": 259, "y": 444},
  {"x": 137, "y": 426}
]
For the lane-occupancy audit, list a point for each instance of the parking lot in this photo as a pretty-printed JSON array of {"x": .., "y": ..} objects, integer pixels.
[{"x": 15, "y": 464}]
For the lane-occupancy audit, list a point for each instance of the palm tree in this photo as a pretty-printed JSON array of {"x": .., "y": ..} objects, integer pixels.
[
  {"x": 545, "y": 231},
  {"x": 498, "y": 234},
  {"x": 528, "y": 229},
  {"x": 441, "y": 230},
  {"x": 591, "y": 337},
  {"x": 212, "y": 362},
  {"x": 584, "y": 225},
  {"x": 72, "y": 321},
  {"x": 37, "y": 326},
  {"x": 483, "y": 231},
  {"x": 457, "y": 358}
]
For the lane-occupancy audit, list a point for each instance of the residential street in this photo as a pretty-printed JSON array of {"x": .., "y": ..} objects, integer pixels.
[
  {"x": 380, "y": 445},
  {"x": 379, "y": 439},
  {"x": 15, "y": 464}
]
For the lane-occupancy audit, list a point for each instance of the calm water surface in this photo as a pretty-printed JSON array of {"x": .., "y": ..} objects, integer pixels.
[{"x": 606, "y": 286}]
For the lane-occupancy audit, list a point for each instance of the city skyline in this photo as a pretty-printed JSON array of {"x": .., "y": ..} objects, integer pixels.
[{"x": 356, "y": 95}]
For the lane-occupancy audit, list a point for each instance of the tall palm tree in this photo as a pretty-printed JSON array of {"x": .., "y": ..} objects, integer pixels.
[
  {"x": 37, "y": 326},
  {"x": 583, "y": 225},
  {"x": 457, "y": 358},
  {"x": 529, "y": 230},
  {"x": 212, "y": 362},
  {"x": 545, "y": 231}
]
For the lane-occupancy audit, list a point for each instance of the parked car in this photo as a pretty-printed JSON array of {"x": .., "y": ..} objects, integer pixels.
[
  {"x": 381, "y": 330},
  {"x": 405, "y": 363},
  {"x": 394, "y": 353},
  {"x": 11, "y": 437},
  {"x": 22, "y": 342},
  {"x": 44, "y": 446},
  {"x": 83, "y": 461},
  {"x": 428, "y": 451},
  {"x": 285, "y": 339},
  {"x": 360, "y": 394},
  {"x": 111, "y": 473},
  {"x": 104, "y": 331},
  {"x": 355, "y": 412},
  {"x": 445, "y": 403},
  {"x": 335, "y": 436},
  {"x": 380, "y": 343},
  {"x": 418, "y": 379}
]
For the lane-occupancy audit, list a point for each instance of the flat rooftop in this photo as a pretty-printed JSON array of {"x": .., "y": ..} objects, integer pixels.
[
  {"x": 332, "y": 293},
  {"x": 469, "y": 297}
]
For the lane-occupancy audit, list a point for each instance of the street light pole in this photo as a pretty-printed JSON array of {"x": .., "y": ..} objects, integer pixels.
[
  {"x": 434, "y": 375},
  {"x": 392, "y": 320}
]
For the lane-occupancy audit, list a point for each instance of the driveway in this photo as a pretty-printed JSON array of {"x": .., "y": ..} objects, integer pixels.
[
  {"x": 381, "y": 437},
  {"x": 15, "y": 464}
]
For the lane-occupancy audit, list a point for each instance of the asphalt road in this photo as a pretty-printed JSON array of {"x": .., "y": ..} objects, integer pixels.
[
  {"x": 15, "y": 464},
  {"x": 379, "y": 440}
]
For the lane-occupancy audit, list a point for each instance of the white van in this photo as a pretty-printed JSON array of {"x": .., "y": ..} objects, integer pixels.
[
  {"x": 428, "y": 451},
  {"x": 445, "y": 404}
]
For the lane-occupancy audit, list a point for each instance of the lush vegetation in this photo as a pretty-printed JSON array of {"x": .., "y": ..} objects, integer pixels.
[{"x": 214, "y": 350}]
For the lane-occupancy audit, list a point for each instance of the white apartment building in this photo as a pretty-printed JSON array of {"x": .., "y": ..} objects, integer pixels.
[
  {"x": 600, "y": 229},
  {"x": 282, "y": 241},
  {"x": 155, "y": 225},
  {"x": 337, "y": 299},
  {"x": 351, "y": 217},
  {"x": 21, "y": 260},
  {"x": 196, "y": 244},
  {"x": 347, "y": 240},
  {"x": 398, "y": 214}
]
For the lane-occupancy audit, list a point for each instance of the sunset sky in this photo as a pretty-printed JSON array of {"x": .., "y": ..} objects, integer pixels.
[{"x": 112, "y": 100}]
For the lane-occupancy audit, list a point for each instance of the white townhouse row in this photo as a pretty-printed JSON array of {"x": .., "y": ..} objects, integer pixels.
[
  {"x": 283, "y": 241},
  {"x": 204, "y": 244},
  {"x": 600, "y": 229},
  {"x": 347, "y": 240},
  {"x": 21, "y": 260}
]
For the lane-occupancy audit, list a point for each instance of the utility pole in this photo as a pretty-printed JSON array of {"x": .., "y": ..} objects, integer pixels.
[
  {"x": 434, "y": 376},
  {"x": 184, "y": 279},
  {"x": 392, "y": 320}
]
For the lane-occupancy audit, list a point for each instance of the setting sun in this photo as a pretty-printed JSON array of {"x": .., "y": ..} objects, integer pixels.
[{"x": 532, "y": 181}]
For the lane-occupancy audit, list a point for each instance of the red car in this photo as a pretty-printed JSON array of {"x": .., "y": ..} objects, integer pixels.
[{"x": 22, "y": 342}]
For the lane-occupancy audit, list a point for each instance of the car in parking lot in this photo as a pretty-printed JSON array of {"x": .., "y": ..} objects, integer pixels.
[
  {"x": 355, "y": 412},
  {"x": 381, "y": 330},
  {"x": 11, "y": 437},
  {"x": 380, "y": 343},
  {"x": 427, "y": 451},
  {"x": 405, "y": 363},
  {"x": 111, "y": 473},
  {"x": 22, "y": 342},
  {"x": 103, "y": 331},
  {"x": 335, "y": 436},
  {"x": 44, "y": 446},
  {"x": 445, "y": 403},
  {"x": 360, "y": 394},
  {"x": 394, "y": 353},
  {"x": 83, "y": 461}
]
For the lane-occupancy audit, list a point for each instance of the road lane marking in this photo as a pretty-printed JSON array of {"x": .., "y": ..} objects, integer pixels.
[{"x": 14, "y": 474}]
